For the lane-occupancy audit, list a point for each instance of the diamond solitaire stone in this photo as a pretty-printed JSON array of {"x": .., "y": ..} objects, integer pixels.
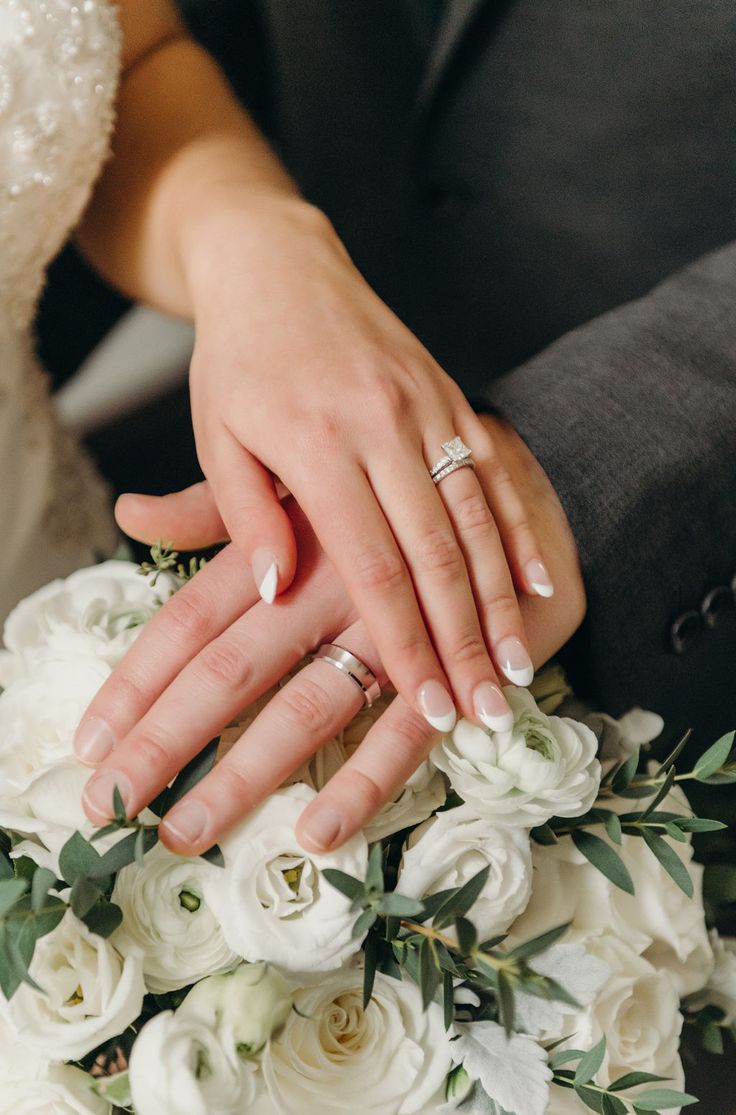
[{"x": 457, "y": 450}]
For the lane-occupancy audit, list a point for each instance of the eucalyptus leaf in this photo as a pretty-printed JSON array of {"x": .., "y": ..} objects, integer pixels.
[
  {"x": 625, "y": 772},
  {"x": 84, "y": 896},
  {"x": 539, "y": 944},
  {"x": 366, "y": 920},
  {"x": 661, "y": 794},
  {"x": 189, "y": 777},
  {"x": 714, "y": 758},
  {"x": 374, "y": 873},
  {"x": 42, "y": 881},
  {"x": 613, "y": 828},
  {"x": 346, "y": 884},
  {"x": 602, "y": 856},
  {"x": 633, "y": 1080},
  {"x": 370, "y": 958},
  {"x": 467, "y": 937},
  {"x": 448, "y": 1001},
  {"x": 459, "y": 905},
  {"x": 657, "y": 1098},
  {"x": 76, "y": 858},
  {"x": 670, "y": 861},
  {"x": 399, "y": 906},
  {"x": 118, "y": 806},
  {"x": 103, "y": 919},
  {"x": 543, "y": 834},
  {"x": 214, "y": 856},
  {"x": 591, "y": 1062},
  {"x": 430, "y": 975},
  {"x": 612, "y": 1105},
  {"x": 11, "y": 890}
]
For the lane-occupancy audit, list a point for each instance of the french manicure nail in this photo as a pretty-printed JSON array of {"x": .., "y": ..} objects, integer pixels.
[
  {"x": 188, "y": 822},
  {"x": 93, "y": 741},
  {"x": 539, "y": 578},
  {"x": 266, "y": 574},
  {"x": 99, "y": 790},
  {"x": 492, "y": 708},
  {"x": 512, "y": 656},
  {"x": 435, "y": 705},
  {"x": 322, "y": 827}
]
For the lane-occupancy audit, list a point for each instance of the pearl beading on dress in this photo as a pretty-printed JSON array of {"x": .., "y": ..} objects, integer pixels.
[{"x": 59, "y": 64}]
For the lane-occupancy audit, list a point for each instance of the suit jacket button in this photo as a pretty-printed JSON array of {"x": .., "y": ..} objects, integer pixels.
[
  {"x": 719, "y": 600},
  {"x": 684, "y": 630}
]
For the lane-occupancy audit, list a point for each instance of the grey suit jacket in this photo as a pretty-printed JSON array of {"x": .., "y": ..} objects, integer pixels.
[{"x": 547, "y": 196}]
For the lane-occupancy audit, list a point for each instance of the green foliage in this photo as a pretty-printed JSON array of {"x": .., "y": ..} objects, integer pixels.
[{"x": 165, "y": 559}]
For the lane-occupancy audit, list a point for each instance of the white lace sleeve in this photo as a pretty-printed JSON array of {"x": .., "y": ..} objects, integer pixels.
[{"x": 59, "y": 64}]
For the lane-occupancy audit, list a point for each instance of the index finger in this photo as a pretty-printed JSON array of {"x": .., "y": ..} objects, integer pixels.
[{"x": 199, "y": 612}]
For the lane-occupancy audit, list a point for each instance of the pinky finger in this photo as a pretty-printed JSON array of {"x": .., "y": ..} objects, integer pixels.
[
  {"x": 523, "y": 552},
  {"x": 395, "y": 746}
]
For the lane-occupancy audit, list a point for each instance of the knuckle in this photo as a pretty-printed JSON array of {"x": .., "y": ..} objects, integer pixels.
[
  {"x": 154, "y": 750},
  {"x": 440, "y": 553},
  {"x": 363, "y": 791},
  {"x": 378, "y": 568},
  {"x": 468, "y": 647},
  {"x": 225, "y": 663},
  {"x": 306, "y": 707},
  {"x": 237, "y": 785},
  {"x": 473, "y": 515},
  {"x": 190, "y": 615},
  {"x": 413, "y": 736}
]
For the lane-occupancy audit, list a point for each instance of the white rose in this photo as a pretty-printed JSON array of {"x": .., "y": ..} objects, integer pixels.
[
  {"x": 449, "y": 849},
  {"x": 88, "y": 993},
  {"x": 720, "y": 990},
  {"x": 253, "y": 1001},
  {"x": 185, "y": 1064},
  {"x": 658, "y": 921},
  {"x": 96, "y": 613},
  {"x": 167, "y": 919},
  {"x": 39, "y": 716},
  {"x": 61, "y": 1090},
  {"x": 545, "y": 766},
  {"x": 333, "y": 1057},
  {"x": 270, "y": 898},
  {"x": 638, "y": 1010}
]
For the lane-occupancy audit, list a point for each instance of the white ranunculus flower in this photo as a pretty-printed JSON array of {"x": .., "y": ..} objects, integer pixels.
[
  {"x": 451, "y": 847},
  {"x": 61, "y": 1090},
  {"x": 637, "y": 1009},
  {"x": 545, "y": 766},
  {"x": 720, "y": 990},
  {"x": 253, "y": 1001},
  {"x": 89, "y": 993},
  {"x": 186, "y": 1064},
  {"x": 166, "y": 917},
  {"x": 659, "y": 921},
  {"x": 333, "y": 1057},
  {"x": 96, "y": 613},
  {"x": 39, "y": 716},
  {"x": 271, "y": 899}
]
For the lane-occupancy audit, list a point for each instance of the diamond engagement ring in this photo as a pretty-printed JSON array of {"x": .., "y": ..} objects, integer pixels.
[
  {"x": 457, "y": 455},
  {"x": 353, "y": 668}
]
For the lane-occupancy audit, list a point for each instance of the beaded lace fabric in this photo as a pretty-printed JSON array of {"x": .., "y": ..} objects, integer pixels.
[{"x": 59, "y": 63}]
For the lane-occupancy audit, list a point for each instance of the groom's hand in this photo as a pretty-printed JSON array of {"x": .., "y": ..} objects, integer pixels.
[{"x": 215, "y": 648}]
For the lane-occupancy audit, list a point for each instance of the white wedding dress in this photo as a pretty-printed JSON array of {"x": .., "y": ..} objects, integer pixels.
[{"x": 59, "y": 62}]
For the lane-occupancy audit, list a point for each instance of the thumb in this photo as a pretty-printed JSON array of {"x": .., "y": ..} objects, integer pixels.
[
  {"x": 247, "y": 499},
  {"x": 188, "y": 519}
]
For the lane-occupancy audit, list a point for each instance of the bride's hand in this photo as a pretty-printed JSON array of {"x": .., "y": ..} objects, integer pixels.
[
  {"x": 300, "y": 371},
  {"x": 215, "y": 648}
]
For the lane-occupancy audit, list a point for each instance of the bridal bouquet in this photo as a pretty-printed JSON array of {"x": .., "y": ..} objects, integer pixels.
[{"x": 520, "y": 931}]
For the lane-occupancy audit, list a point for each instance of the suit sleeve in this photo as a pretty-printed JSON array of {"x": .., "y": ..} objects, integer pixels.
[{"x": 633, "y": 417}]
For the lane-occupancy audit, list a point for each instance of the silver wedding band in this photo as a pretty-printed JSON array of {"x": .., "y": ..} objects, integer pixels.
[
  {"x": 353, "y": 668},
  {"x": 456, "y": 455}
]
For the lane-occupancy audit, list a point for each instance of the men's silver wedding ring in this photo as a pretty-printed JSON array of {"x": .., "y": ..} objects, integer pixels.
[
  {"x": 456, "y": 455},
  {"x": 353, "y": 668}
]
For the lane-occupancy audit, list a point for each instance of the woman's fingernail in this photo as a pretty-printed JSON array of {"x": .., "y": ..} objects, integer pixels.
[
  {"x": 435, "y": 705},
  {"x": 492, "y": 708},
  {"x": 93, "y": 741},
  {"x": 266, "y": 574},
  {"x": 512, "y": 657},
  {"x": 98, "y": 793},
  {"x": 188, "y": 821},
  {"x": 539, "y": 578},
  {"x": 322, "y": 827}
]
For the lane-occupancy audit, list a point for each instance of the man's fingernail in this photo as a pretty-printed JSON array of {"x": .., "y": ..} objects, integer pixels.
[
  {"x": 322, "y": 827},
  {"x": 266, "y": 574},
  {"x": 512, "y": 657},
  {"x": 188, "y": 821},
  {"x": 99, "y": 790},
  {"x": 492, "y": 708},
  {"x": 435, "y": 705},
  {"x": 539, "y": 578},
  {"x": 93, "y": 741}
]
